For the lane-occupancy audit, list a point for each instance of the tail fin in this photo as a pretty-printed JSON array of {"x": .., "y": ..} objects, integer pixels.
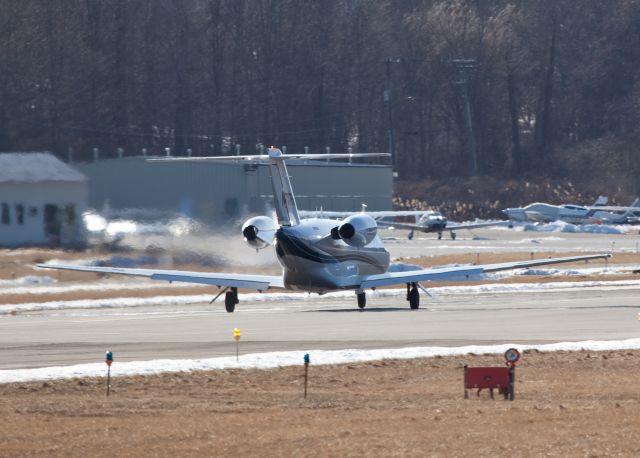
[
  {"x": 633, "y": 208},
  {"x": 601, "y": 201},
  {"x": 284, "y": 200}
]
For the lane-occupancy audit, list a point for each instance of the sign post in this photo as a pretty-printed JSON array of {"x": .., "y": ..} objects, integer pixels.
[
  {"x": 512, "y": 356},
  {"x": 307, "y": 360},
  {"x": 236, "y": 336},
  {"x": 108, "y": 360}
]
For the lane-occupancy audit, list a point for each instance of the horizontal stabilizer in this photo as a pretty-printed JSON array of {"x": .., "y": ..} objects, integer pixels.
[{"x": 266, "y": 157}]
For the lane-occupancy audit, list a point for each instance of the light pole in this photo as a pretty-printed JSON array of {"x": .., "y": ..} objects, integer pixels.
[{"x": 465, "y": 67}]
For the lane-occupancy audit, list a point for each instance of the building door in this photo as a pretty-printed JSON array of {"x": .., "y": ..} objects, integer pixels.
[{"x": 51, "y": 221}]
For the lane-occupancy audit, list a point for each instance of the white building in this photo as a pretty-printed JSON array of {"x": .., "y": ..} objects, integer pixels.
[{"x": 41, "y": 200}]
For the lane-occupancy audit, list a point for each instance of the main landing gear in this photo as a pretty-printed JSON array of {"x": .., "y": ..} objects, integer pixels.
[
  {"x": 362, "y": 300},
  {"x": 453, "y": 235},
  {"x": 231, "y": 299},
  {"x": 413, "y": 296}
]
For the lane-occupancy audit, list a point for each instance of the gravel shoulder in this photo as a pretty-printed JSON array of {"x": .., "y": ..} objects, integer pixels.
[{"x": 567, "y": 404}]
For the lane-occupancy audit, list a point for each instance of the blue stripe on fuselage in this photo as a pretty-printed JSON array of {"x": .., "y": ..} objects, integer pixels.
[{"x": 287, "y": 245}]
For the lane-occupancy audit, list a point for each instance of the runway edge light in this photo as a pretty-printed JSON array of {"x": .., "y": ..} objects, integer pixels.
[
  {"x": 307, "y": 360},
  {"x": 236, "y": 336},
  {"x": 108, "y": 359}
]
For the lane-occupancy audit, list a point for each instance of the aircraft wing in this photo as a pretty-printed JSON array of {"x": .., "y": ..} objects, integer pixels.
[
  {"x": 413, "y": 227},
  {"x": 448, "y": 227},
  {"x": 258, "y": 282},
  {"x": 455, "y": 226},
  {"x": 373, "y": 214},
  {"x": 458, "y": 273}
]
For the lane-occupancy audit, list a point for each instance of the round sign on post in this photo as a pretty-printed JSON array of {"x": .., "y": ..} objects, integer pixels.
[
  {"x": 512, "y": 355},
  {"x": 108, "y": 358}
]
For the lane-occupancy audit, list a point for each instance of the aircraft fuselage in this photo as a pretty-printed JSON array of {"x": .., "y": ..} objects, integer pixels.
[{"x": 315, "y": 262}]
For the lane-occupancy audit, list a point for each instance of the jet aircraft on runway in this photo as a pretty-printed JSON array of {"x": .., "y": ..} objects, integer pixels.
[{"x": 317, "y": 255}]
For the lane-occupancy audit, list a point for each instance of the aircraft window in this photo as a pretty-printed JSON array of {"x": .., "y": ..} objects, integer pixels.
[
  {"x": 6, "y": 218},
  {"x": 19, "y": 213}
]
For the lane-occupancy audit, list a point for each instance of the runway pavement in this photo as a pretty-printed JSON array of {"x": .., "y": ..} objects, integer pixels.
[
  {"x": 202, "y": 331},
  {"x": 72, "y": 336}
]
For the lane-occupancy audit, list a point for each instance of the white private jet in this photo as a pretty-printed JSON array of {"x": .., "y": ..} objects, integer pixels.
[
  {"x": 598, "y": 213},
  {"x": 316, "y": 255}
]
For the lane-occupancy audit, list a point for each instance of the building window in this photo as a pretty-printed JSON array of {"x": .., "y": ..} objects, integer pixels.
[
  {"x": 20, "y": 213},
  {"x": 5, "y": 218}
]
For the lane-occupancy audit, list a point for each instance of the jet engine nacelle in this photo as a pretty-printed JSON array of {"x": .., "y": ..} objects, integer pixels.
[
  {"x": 356, "y": 230},
  {"x": 259, "y": 231}
]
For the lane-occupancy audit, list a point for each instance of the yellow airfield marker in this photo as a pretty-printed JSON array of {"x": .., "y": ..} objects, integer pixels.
[{"x": 236, "y": 336}]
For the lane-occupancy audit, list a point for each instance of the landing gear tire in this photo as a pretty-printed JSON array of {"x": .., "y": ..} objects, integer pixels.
[
  {"x": 413, "y": 296},
  {"x": 410, "y": 236},
  {"x": 453, "y": 235},
  {"x": 439, "y": 235},
  {"x": 362, "y": 300},
  {"x": 231, "y": 299}
]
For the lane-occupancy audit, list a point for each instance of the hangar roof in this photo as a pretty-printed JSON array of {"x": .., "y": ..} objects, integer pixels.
[{"x": 35, "y": 167}]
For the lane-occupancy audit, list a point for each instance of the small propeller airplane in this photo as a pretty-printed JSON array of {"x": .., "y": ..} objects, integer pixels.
[
  {"x": 434, "y": 221},
  {"x": 317, "y": 255},
  {"x": 598, "y": 213}
]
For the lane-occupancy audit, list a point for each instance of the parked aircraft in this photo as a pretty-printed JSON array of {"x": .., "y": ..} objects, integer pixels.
[
  {"x": 599, "y": 213},
  {"x": 433, "y": 221},
  {"x": 316, "y": 255}
]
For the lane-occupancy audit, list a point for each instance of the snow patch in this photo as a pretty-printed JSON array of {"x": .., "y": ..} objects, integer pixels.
[{"x": 293, "y": 358}]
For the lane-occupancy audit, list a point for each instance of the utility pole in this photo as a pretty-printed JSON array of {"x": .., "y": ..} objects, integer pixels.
[
  {"x": 465, "y": 67},
  {"x": 387, "y": 101}
]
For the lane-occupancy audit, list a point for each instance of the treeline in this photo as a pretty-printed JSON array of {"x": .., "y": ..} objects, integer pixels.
[{"x": 478, "y": 87}]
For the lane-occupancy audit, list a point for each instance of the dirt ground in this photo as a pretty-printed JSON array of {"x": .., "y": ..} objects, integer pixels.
[{"x": 583, "y": 404}]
